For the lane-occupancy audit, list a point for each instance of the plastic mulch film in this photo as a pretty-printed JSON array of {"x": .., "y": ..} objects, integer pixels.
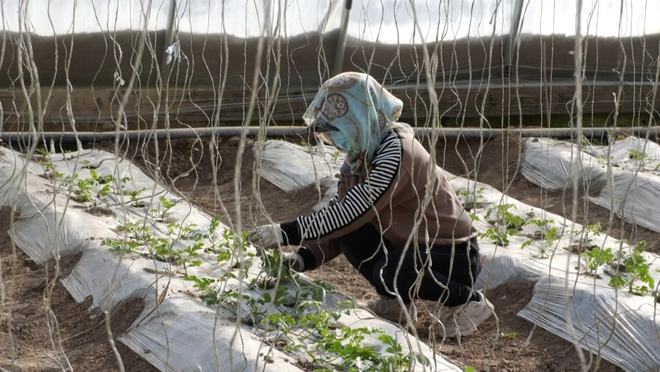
[
  {"x": 570, "y": 299},
  {"x": 623, "y": 329},
  {"x": 133, "y": 234},
  {"x": 553, "y": 165},
  {"x": 633, "y": 189},
  {"x": 320, "y": 163}
]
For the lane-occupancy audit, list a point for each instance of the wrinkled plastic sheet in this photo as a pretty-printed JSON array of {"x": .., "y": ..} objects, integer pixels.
[
  {"x": 573, "y": 306},
  {"x": 632, "y": 190},
  {"x": 281, "y": 163},
  {"x": 623, "y": 327},
  {"x": 176, "y": 331}
]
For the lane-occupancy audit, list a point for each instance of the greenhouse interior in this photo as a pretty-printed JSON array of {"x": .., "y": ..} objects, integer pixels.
[{"x": 329, "y": 185}]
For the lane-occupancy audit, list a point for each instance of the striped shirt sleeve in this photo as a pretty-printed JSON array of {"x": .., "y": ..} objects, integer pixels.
[{"x": 359, "y": 200}]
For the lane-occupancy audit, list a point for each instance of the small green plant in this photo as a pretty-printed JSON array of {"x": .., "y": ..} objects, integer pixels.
[
  {"x": 502, "y": 215},
  {"x": 471, "y": 199},
  {"x": 512, "y": 335},
  {"x": 636, "y": 270},
  {"x": 133, "y": 238},
  {"x": 497, "y": 235},
  {"x": 637, "y": 155},
  {"x": 542, "y": 224},
  {"x": 585, "y": 238},
  {"x": 46, "y": 163},
  {"x": 206, "y": 287},
  {"x": 121, "y": 246},
  {"x": 134, "y": 195},
  {"x": 83, "y": 190},
  {"x": 474, "y": 217},
  {"x": 335, "y": 155},
  {"x": 549, "y": 234},
  {"x": 165, "y": 205},
  {"x": 596, "y": 258}
]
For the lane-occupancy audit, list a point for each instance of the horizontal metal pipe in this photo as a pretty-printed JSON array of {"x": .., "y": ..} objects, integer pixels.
[{"x": 141, "y": 135}]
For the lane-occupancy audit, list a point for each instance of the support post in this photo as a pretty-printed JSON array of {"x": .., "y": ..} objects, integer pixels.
[
  {"x": 341, "y": 40},
  {"x": 513, "y": 33},
  {"x": 169, "y": 38}
]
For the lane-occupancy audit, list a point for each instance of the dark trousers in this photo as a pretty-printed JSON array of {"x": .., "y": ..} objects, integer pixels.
[{"x": 374, "y": 257}]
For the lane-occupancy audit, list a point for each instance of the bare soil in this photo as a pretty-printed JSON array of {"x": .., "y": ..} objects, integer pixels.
[
  {"x": 186, "y": 167},
  {"x": 42, "y": 328},
  {"x": 498, "y": 166},
  {"x": 507, "y": 350}
]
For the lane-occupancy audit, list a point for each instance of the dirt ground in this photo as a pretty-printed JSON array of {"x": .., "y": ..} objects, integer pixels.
[
  {"x": 84, "y": 339},
  {"x": 30, "y": 313},
  {"x": 504, "y": 175},
  {"x": 486, "y": 351}
]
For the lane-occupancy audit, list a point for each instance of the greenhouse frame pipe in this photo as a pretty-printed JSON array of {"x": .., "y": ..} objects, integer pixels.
[
  {"x": 341, "y": 38},
  {"x": 179, "y": 133}
]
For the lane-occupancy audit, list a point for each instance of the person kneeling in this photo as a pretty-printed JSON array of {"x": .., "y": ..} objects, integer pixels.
[{"x": 395, "y": 217}]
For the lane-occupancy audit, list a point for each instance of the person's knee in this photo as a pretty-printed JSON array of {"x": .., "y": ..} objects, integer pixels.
[
  {"x": 390, "y": 278},
  {"x": 452, "y": 301}
]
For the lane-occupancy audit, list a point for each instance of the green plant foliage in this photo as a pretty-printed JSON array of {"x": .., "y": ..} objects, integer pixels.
[
  {"x": 46, "y": 163},
  {"x": 206, "y": 287},
  {"x": 595, "y": 258},
  {"x": 549, "y": 234},
  {"x": 295, "y": 312},
  {"x": 471, "y": 198},
  {"x": 164, "y": 207},
  {"x": 496, "y": 234},
  {"x": 504, "y": 216},
  {"x": 637, "y": 155},
  {"x": 637, "y": 270},
  {"x": 586, "y": 237}
]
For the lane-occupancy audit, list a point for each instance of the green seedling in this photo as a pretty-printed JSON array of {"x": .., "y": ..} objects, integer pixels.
[
  {"x": 585, "y": 239},
  {"x": 503, "y": 216},
  {"x": 636, "y": 270},
  {"x": 83, "y": 190},
  {"x": 542, "y": 224},
  {"x": 550, "y": 235},
  {"x": 99, "y": 180},
  {"x": 497, "y": 235},
  {"x": 206, "y": 288},
  {"x": 596, "y": 258},
  {"x": 46, "y": 163},
  {"x": 165, "y": 206},
  {"x": 212, "y": 230},
  {"x": 471, "y": 199},
  {"x": 637, "y": 155},
  {"x": 134, "y": 196},
  {"x": 121, "y": 246}
]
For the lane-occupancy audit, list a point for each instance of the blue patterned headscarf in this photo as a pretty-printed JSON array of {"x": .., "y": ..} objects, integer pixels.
[{"x": 357, "y": 112}]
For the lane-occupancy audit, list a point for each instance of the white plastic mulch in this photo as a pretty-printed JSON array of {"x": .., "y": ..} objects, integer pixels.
[
  {"x": 176, "y": 331},
  {"x": 623, "y": 177},
  {"x": 622, "y": 327}
]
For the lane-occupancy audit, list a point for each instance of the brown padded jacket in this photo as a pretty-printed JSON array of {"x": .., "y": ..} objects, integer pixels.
[{"x": 404, "y": 195}]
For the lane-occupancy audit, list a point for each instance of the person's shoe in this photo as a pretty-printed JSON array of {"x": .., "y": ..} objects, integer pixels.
[
  {"x": 390, "y": 309},
  {"x": 466, "y": 318}
]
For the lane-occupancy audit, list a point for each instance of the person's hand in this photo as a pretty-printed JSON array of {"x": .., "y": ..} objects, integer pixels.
[
  {"x": 294, "y": 261},
  {"x": 266, "y": 236}
]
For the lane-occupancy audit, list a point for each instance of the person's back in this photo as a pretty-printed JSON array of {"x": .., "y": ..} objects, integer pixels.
[{"x": 443, "y": 221}]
